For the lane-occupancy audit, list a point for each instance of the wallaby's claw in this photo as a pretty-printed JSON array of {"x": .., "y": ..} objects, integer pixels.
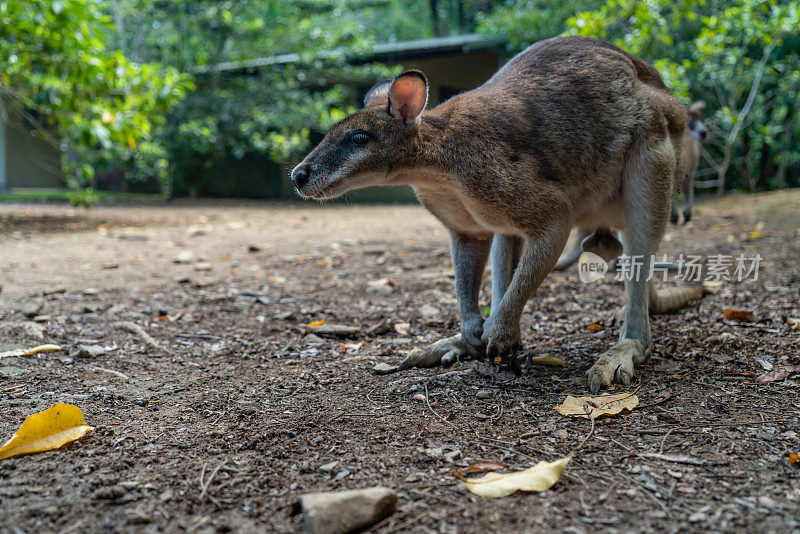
[
  {"x": 616, "y": 364},
  {"x": 444, "y": 352}
]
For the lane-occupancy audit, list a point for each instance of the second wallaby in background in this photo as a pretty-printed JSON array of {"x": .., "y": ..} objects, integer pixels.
[{"x": 571, "y": 132}]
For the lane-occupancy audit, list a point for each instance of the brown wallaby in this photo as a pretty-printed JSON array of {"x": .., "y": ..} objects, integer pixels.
[
  {"x": 571, "y": 132},
  {"x": 690, "y": 152},
  {"x": 695, "y": 133}
]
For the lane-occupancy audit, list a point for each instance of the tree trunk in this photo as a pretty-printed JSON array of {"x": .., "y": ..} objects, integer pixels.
[
  {"x": 437, "y": 26},
  {"x": 461, "y": 20},
  {"x": 788, "y": 125}
]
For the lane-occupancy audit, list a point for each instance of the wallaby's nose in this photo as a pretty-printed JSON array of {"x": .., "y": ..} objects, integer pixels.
[
  {"x": 301, "y": 175},
  {"x": 703, "y": 134}
]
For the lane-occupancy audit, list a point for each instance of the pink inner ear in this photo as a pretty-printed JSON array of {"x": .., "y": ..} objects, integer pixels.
[{"x": 408, "y": 95}]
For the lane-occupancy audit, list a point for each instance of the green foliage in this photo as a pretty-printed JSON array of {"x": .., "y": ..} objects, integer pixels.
[
  {"x": 709, "y": 50},
  {"x": 94, "y": 102}
]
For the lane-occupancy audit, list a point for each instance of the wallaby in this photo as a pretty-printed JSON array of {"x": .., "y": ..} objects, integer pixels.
[
  {"x": 695, "y": 133},
  {"x": 571, "y": 132},
  {"x": 690, "y": 152}
]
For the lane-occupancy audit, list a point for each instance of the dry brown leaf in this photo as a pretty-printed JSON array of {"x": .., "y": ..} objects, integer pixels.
[
  {"x": 540, "y": 477},
  {"x": 29, "y": 352},
  {"x": 50, "y": 429},
  {"x": 597, "y": 406},
  {"x": 779, "y": 372},
  {"x": 477, "y": 467},
  {"x": 595, "y": 326},
  {"x": 793, "y": 322},
  {"x": 547, "y": 359},
  {"x": 732, "y": 314},
  {"x": 794, "y": 458}
]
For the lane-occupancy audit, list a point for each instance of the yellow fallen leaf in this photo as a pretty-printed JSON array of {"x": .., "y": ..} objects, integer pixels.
[
  {"x": 50, "y": 429},
  {"x": 540, "y": 477},
  {"x": 29, "y": 352},
  {"x": 547, "y": 359},
  {"x": 596, "y": 406},
  {"x": 316, "y": 323}
]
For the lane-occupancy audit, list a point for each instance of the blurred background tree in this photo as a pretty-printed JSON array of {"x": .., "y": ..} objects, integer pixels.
[
  {"x": 132, "y": 84},
  {"x": 89, "y": 100}
]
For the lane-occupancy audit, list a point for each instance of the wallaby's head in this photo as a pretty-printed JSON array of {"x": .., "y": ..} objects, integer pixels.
[
  {"x": 364, "y": 148},
  {"x": 695, "y": 125}
]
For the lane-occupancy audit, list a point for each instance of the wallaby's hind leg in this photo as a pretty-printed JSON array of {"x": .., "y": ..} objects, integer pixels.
[{"x": 647, "y": 193}]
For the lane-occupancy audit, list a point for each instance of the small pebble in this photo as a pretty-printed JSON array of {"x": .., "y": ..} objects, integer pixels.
[
  {"x": 384, "y": 368},
  {"x": 484, "y": 394}
]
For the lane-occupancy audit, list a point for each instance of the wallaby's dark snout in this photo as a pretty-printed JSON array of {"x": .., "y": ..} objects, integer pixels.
[{"x": 301, "y": 175}]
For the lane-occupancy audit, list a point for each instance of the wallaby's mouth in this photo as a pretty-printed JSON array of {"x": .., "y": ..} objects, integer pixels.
[{"x": 321, "y": 189}]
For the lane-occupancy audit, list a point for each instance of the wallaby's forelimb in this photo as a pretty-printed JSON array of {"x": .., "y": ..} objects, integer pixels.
[
  {"x": 469, "y": 256},
  {"x": 501, "y": 332},
  {"x": 506, "y": 251}
]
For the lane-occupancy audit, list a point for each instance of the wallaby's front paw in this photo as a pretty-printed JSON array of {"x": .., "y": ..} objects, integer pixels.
[
  {"x": 471, "y": 332},
  {"x": 501, "y": 340},
  {"x": 673, "y": 217},
  {"x": 444, "y": 352},
  {"x": 616, "y": 364},
  {"x": 687, "y": 216}
]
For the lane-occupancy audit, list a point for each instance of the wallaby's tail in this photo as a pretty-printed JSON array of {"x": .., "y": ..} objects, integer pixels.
[{"x": 672, "y": 298}]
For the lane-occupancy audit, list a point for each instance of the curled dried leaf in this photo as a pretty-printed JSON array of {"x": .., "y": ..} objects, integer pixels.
[
  {"x": 595, "y": 407},
  {"x": 29, "y": 352},
  {"x": 476, "y": 467},
  {"x": 43, "y": 431},
  {"x": 547, "y": 359},
  {"x": 732, "y": 314},
  {"x": 540, "y": 477}
]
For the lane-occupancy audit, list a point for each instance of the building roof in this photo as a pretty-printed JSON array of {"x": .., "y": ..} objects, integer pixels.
[{"x": 380, "y": 52}]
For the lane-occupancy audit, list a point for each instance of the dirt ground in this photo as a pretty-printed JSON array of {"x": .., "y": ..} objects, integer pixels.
[{"x": 238, "y": 411}]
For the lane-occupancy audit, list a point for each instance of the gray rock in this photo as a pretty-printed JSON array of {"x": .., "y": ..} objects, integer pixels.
[
  {"x": 484, "y": 394},
  {"x": 384, "y": 369},
  {"x": 32, "y": 308},
  {"x": 312, "y": 339},
  {"x": 346, "y": 511},
  {"x": 202, "y": 266},
  {"x": 329, "y": 466},
  {"x": 10, "y": 371},
  {"x": 33, "y": 330},
  {"x": 90, "y": 351},
  {"x": 184, "y": 256}
]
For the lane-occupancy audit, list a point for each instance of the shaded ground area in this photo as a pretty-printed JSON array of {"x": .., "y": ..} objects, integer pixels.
[{"x": 238, "y": 389}]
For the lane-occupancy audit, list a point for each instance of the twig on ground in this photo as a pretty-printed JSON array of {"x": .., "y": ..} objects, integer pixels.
[
  {"x": 661, "y": 448},
  {"x": 434, "y": 411},
  {"x": 589, "y": 435},
  {"x": 205, "y": 484},
  {"x": 134, "y": 328},
  {"x": 123, "y": 376}
]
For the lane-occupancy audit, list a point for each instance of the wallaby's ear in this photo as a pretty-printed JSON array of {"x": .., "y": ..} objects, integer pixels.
[
  {"x": 379, "y": 93},
  {"x": 697, "y": 108},
  {"x": 408, "y": 95}
]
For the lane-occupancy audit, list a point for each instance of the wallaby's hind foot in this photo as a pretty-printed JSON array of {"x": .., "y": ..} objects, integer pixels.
[
  {"x": 444, "y": 352},
  {"x": 616, "y": 364}
]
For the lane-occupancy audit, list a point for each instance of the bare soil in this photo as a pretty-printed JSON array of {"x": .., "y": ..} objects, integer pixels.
[{"x": 231, "y": 419}]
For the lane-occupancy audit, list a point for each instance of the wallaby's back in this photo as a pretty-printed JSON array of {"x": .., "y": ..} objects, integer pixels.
[{"x": 573, "y": 104}]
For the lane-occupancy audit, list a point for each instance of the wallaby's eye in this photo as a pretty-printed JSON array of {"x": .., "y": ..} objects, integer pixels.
[{"x": 359, "y": 137}]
